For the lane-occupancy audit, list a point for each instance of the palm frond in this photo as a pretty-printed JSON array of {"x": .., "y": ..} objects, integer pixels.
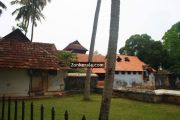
[{"x": 2, "y": 5}]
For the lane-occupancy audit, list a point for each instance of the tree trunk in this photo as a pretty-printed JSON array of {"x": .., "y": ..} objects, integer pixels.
[
  {"x": 27, "y": 25},
  {"x": 91, "y": 51},
  {"x": 33, "y": 22},
  {"x": 111, "y": 60}
]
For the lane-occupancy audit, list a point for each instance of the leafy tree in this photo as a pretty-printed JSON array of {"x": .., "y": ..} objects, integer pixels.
[
  {"x": 30, "y": 10},
  {"x": 66, "y": 57},
  {"x": 136, "y": 44},
  {"x": 24, "y": 13},
  {"x": 171, "y": 41},
  {"x": 149, "y": 51},
  {"x": 2, "y": 6},
  {"x": 111, "y": 60},
  {"x": 158, "y": 55},
  {"x": 93, "y": 37}
]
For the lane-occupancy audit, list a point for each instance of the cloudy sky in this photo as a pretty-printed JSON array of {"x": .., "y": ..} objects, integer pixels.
[{"x": 70, "y": 20}]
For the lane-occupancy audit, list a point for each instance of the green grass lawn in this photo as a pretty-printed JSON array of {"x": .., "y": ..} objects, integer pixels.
[{"x": 121, "y": 109}]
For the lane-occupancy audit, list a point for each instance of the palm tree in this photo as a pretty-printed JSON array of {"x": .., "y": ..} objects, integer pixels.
[
  {"x": 26, "y": 13},
  {"x": 23, "y": 13},
  {"x": 91, "y": 51},
  {"x": 111, "y": 59},
  {"x": 2, "y": 6},
  {"x": 37, "y": 4}
]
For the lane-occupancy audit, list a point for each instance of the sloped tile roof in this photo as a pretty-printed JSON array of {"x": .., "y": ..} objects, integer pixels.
[
  {"x": 98, "y": 70},
  {"x": 96, "y": 58},
  {"x": 125, "y": 63},
  {"x": 129, "y": 63},
  {"x": 75, "y": 46},
  {"x": 15, "y": 36},
  {"x": 84, "y": 58},
  {"x": 28, "y": 55}
]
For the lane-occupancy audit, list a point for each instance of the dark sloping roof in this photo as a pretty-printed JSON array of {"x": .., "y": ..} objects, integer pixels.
[
  {"x": 75, "y": 46},
  {"x": 15, "y": 36},
  {"x": 51, "y": 48},
  {"x": 28, "y": 55}
]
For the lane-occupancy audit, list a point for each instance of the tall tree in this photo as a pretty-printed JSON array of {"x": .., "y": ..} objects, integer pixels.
[
  {"x": 91, "y": 51},
  {"x": 136, "y": 44},
  {"x": 2, "y": 5},
  {"x": 111, "y": 59},
  {"x": 171, "y": 41},
  {"x": 37, "y": 5},
  {"x": 25, "y": 14},
  {"x": 157, "y": 56},
  {"x": 145, "y": 48}
]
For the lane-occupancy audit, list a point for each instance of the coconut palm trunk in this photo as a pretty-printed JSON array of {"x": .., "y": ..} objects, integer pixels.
[
  {"x": 111, "y": 59},
  {"x": 91, "y": 51},
  {"x": 33, "y": 21},
  {"x": 26, "y": 24}
]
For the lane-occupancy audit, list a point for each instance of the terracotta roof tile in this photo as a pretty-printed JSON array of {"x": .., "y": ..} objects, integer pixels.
[
  {"x": 84, "y": 58},
  {"x": 96, "y": 58},
  {"x": 75, "y": 46},
  {"x": 28, "y": 55},
  {"x": 98, "y": 70},
  {"x": 15, "y": 36},
  {"x": 132, "y": 63},
  {"x": 126, "y": 63}
]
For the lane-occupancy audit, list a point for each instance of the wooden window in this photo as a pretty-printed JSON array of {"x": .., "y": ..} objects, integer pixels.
[
  {"x": 116, "y": 72},
  {"x": 122, "y": 72},
  {"x": 139, "y": 72},
  {"x": 134, "y": 72},
  {"x": 52, "y": 72}
]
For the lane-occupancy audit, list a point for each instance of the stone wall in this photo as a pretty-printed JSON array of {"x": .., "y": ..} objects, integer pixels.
[
  {"x": 174, "y": 81},
  {"x": 147, "y": 96},
  {"x": 162, "y": 79}
]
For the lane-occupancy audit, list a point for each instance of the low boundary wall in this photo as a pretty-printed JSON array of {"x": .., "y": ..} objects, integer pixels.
[{"x": 147, "y": 96}]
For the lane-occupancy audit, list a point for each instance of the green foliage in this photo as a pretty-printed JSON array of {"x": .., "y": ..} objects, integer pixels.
[
  {"x": 25, "y": 13},
  {"x": 149, "y": 51},
  {"x": 136, "y": 44},
  {"x": 171, "y": 42},
  {"x": 67, "y": 58}
]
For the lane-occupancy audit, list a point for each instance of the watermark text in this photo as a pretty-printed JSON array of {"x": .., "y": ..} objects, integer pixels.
[{"x": 87, "y": 65}]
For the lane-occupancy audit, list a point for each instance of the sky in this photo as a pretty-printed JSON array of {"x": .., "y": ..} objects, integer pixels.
[{"x": 70, "y": 20}]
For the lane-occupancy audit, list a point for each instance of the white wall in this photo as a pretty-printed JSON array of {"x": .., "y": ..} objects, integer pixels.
[
  {"x": 14, "y": 82},
  {"x": 56, "y": 83},
  {"x": 126, "y": 80}
]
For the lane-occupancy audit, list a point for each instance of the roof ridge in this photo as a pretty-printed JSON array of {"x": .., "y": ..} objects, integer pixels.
[{"x": 15, "y": 35}]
